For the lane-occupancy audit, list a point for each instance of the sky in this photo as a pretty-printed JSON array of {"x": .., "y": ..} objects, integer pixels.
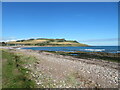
[{"x": 92, "y": 23}]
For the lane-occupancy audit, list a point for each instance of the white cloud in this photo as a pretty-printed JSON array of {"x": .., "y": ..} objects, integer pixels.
[
  {"x": 6, "y": 39},
  {"x": 100, "y": 40}
]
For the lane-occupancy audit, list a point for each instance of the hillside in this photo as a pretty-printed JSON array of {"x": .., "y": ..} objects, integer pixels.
[{"x": 46, "y": 42}]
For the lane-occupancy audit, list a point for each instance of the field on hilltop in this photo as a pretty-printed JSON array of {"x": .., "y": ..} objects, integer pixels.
[
  {"x": 27, "y": 42},
  {"x": 46, "y": 42}
]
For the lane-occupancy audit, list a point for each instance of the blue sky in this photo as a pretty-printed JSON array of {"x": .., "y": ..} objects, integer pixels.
[{"x": 87, "y": 22}]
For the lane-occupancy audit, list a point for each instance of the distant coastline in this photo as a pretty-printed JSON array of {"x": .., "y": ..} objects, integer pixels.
[{"x": 43, "y": 42}]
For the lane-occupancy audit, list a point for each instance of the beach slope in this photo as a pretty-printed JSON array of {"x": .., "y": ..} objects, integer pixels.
[{"x": 68, "y": 72}]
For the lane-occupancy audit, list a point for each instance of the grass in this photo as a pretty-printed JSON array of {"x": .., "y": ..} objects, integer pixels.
[
  {"x": 13, "y": 73},
  {"x": 72, "y": 81},
  {"x": 28, "y": 42},
  {"x": 64, "y": 43}
]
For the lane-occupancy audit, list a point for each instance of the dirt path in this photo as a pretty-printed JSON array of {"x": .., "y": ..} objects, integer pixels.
[{"x": 73, "y": 72}]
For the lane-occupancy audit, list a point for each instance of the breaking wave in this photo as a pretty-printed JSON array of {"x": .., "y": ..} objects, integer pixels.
[{"x": 95, "y": 50}]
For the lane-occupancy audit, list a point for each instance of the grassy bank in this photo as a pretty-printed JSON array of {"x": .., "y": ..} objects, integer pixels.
[
  {"x": 13, "y": 72},
  {"x": 16, "y": 75}
]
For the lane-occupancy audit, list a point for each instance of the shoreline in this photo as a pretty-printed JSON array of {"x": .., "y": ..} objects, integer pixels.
[
  {"x": 113, "y": 65},
  {"x": 60, "y": 67},
  {"x": 110, "y": 57},
  {"x": 104, "y": 56}
]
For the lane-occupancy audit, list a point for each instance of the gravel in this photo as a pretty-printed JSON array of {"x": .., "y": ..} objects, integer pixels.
[{"x": 90, "y": 73}]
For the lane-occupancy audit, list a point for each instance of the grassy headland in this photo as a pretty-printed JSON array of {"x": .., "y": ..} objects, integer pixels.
[{"x": 45, "y": 42}]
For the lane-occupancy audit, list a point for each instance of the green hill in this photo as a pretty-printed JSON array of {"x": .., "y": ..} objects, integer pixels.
[{"x": 46, "y": 42}]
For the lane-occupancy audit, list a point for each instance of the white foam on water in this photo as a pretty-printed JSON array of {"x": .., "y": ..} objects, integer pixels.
[
  {"x": 18, "y": 48},
  {"x": 95, "y": 50}
]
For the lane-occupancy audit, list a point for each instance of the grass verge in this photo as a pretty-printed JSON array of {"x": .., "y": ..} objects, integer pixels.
[{"x": 13, "y": 72}]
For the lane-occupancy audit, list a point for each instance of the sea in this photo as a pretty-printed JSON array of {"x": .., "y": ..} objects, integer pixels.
[{"x": 107, "y": 49}]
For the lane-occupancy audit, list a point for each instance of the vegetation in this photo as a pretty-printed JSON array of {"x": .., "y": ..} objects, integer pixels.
[
  {"x": 45, "y": 42},
  {"x": 13, "y": 72},
  {"x": 114, "y": 57},
  {"x": 2, "y": 43}
]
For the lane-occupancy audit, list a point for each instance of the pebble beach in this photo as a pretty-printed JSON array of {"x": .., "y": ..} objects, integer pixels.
[{"x": 82, "y": 73}]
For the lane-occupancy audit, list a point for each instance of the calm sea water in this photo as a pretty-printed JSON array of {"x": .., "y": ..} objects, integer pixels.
[{"x": 108, "y": 49}]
